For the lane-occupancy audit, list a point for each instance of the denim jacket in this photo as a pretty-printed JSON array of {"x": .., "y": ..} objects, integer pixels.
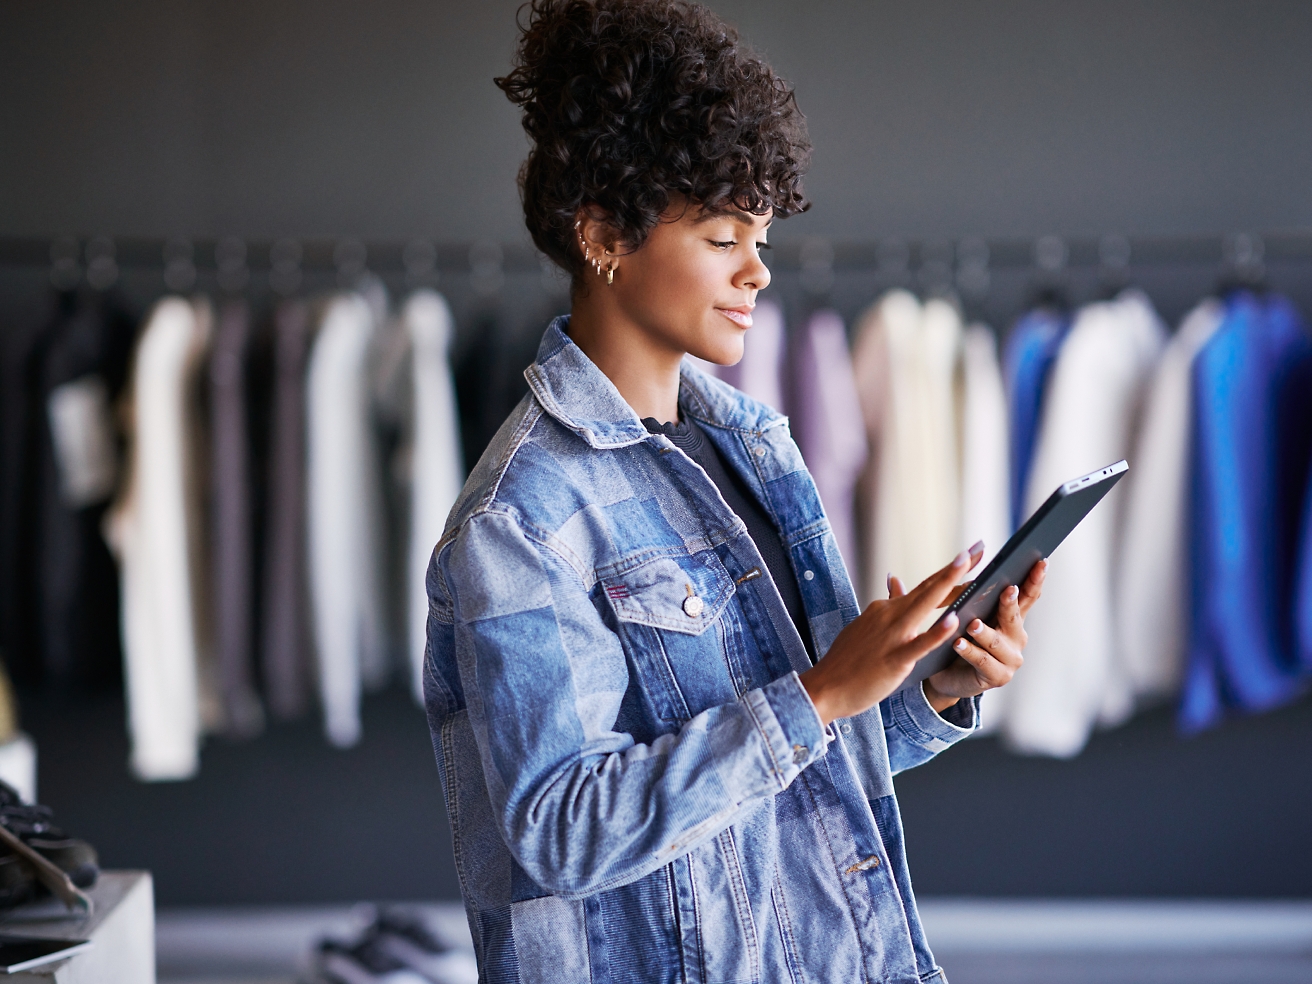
[{"x": 639, "y": 788}]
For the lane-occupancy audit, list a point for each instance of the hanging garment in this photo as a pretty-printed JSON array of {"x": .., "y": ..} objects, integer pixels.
[
  {"x": 285, "y": 644},
  {"x": 826, "y": 422},
  {"x": 489, "y": 376},
  {"x": 232, "y": 536},
  {"x": 759, "y": 373},
  {"x": 1249, "y": 462},
  {"x": 985, "y": 490},
  {"x": 343, "y": 504},
  {"x": 1030, "y": 352},
  {"x": 1088, "y": 421},
  {"x": 1303, "y": 584},
  {"x": 59, "y": 586},
  {"x": 905, "y": 361},
  {"x": 151, "y": 528},
  {"x": 436, "y": 473},
  {"x": 1152, "y": 567}
]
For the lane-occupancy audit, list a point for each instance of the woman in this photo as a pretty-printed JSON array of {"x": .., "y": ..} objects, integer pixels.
[{"x": 665, "y": 730}]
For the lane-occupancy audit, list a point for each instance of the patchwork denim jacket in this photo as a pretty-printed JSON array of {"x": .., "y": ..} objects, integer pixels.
[{"x": 639, "y": 788}]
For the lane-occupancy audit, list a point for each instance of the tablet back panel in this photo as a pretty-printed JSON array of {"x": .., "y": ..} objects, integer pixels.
[{"x": 1038, "y": 538}]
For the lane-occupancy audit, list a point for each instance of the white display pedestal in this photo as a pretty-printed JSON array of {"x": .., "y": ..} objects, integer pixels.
[{"x": 122, "y": 929}]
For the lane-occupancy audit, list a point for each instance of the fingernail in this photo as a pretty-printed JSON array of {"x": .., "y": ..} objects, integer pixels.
[
  {"x": 950, "y": 623},
  {"x": 961, "y": 559},
  {"x": 888, "y": 582},
  {"x": 1013, "y": 593},
  {"x": 975, "y": 626},
  {"x": 976, "y": 548},
  {"x": 959, "y": 645}
]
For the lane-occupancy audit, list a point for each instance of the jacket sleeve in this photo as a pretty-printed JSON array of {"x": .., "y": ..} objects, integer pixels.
[
  {"x": 581, "y": 806},
  {"x": 915, "y": 732}
]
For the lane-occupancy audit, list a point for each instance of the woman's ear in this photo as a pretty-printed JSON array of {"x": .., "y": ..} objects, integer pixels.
[{"x": 594, "y": 233}]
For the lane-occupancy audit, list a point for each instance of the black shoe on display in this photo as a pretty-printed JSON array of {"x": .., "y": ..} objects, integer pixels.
[{"x": 34, "y": 826}]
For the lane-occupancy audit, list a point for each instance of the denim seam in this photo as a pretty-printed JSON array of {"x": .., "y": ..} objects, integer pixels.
[
  {"x": 785, "y": 923},
  {"x": 779, "y": 773},
  {"x": 532, "y": 414},
  {"x": 453, "y": 802},
  {"x": 738, "y": 885}
]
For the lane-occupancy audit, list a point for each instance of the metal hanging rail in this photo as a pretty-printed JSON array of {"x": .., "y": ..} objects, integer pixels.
[{"x": 232, "y": 259}]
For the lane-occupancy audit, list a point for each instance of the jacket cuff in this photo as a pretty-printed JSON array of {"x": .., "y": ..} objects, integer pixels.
[
  {"x": 790, "y": 725},
  {"x": 912, "y": 713}
]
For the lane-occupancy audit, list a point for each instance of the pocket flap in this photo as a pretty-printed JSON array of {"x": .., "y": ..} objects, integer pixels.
[{"x": 666, "y": 594}]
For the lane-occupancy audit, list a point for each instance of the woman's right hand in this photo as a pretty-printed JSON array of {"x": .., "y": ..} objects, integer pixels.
[{"x": 876, "y": 650}]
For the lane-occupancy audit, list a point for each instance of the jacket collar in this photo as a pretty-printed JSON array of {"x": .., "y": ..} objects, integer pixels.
[{"x": 581, "y": 397}]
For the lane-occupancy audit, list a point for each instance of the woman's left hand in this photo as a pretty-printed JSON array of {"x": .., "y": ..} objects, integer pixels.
[{"x": 989, "y": 657}]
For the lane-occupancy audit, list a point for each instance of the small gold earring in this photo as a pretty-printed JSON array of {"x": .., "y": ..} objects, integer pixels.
[{"x": 610, "y": 274}]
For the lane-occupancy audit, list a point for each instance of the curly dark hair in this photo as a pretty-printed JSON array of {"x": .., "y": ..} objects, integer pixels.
[{"x": 632, "y": 103}]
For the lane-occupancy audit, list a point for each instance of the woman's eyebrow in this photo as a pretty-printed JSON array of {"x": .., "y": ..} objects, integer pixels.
[{"x": 742, "y": 218}]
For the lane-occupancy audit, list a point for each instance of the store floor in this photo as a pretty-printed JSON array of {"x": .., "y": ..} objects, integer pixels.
[{"x": 977, "y": 941}]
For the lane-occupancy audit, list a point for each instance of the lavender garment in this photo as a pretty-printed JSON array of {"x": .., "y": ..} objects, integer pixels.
[
  {"x": 285, "y": 642},
  {"x": 232, "y": 552},
  {"x": 759, "y": 373},
  {"x": 827, "y": 422}
]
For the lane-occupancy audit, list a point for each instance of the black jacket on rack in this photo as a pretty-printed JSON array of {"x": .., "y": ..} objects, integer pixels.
[{"x": 58, "y": 582}]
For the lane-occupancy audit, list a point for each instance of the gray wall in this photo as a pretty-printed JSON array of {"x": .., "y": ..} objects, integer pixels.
[{"x": 380, "y": 120}]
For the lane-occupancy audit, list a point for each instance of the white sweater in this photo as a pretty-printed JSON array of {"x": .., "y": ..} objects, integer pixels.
[
  {"x": 152, "y": 530},
  {"x": 437, "y": 471},
  {"x": 985, "y": 496},
  {"x": 1152, "y": 572},
  {"x": 1088, "y": 421},
  {"x": 905, "y": 358},
  {"x": 344, "y": 502}
]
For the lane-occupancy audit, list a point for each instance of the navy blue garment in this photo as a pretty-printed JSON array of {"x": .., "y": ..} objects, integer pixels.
[
  {"x": 1249, "y": 461},
  {"x": 1303, "y": 584},
  {"x": 1031, "y": 350}
]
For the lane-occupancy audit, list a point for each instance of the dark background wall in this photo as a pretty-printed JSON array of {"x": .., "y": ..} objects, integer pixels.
[
  {"x": 380, "y": 121},
  {"x": 932, "y": 119}
]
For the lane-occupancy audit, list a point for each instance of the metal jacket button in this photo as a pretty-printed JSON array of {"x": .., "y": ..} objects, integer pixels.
[
  {"x": 866, "y": 865},
  {"x": 692, "y": 606}
]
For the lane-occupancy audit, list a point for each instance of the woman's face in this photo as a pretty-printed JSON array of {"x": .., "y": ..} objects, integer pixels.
[{"x": 692, "y": 285}]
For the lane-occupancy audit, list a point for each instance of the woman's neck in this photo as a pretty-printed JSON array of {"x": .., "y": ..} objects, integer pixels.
[{"x": 643, "y": 368}]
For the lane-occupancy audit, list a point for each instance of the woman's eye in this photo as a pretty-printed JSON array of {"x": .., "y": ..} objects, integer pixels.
[
  {"x": 723, "y": 245},
  {"x": 761, "y": 246}
]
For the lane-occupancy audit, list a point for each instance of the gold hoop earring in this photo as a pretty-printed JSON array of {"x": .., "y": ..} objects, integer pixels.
[{"x": 610, "y": 274}]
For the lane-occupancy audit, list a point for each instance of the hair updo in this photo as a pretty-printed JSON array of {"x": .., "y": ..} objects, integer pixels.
[{"x": 632, "y": 103}]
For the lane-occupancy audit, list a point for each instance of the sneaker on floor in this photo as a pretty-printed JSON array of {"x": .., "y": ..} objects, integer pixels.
[
  {"x": 407, "y": 939},
  {"x": 361, "y": 963}
]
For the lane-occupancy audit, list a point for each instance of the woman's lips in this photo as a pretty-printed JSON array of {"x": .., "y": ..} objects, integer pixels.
[{"x": 743, "y": 319}]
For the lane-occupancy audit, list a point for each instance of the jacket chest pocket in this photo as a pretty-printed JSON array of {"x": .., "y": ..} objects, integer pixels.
[{"x": 669, "y": 612}]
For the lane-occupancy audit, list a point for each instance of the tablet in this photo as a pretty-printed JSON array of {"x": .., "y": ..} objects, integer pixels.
[
  {"x": 1038, "y": 538},
  {"x": 19, "y": 953}
]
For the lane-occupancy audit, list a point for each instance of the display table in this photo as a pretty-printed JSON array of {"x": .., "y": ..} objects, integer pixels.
[{"x": 122, "y": 929}]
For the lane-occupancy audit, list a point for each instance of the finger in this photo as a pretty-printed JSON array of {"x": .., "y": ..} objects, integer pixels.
[
  {"x": 990, "y": 670},
  {"x": 929, "y": 640},
  {"x": 1033, "y": 586},
  {"x": 957, "y": 592},
  {"x": 1009, "y": 616},
  {"x": 896, "y": 589},
  {"x": 930, "y": 592},
  {"x": 1002, "y": 646}
]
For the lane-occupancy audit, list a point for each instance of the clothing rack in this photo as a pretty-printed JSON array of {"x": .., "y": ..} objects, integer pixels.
[{"x": 420, "y": 257}]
